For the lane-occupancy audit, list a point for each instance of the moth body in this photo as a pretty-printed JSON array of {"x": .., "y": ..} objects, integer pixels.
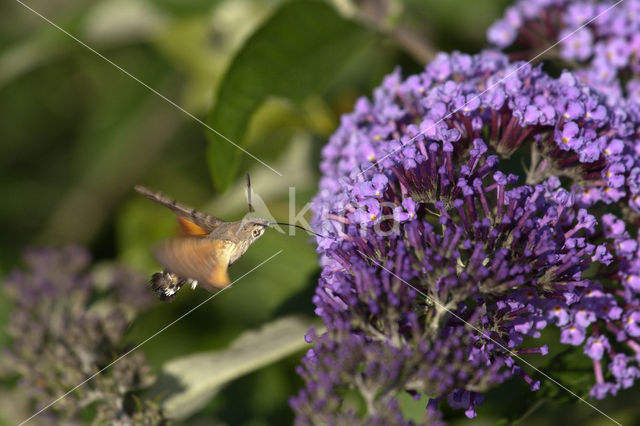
[{"x": 203, "y": 256}]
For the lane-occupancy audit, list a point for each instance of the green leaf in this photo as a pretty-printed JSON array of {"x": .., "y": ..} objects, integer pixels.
[
  {"x": 189, "y": 382},
  {"x": 34, "y": 51},
  {"x": 296, "y": 53},
  {"x": 573, "y": 369},
  {"x": 186, "y": 7}
]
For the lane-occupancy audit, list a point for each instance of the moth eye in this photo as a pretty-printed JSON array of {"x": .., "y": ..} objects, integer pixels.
[{"x": 256, "y": 233}]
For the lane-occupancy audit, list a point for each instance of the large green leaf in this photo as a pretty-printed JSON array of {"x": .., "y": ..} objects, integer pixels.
[
  {"x": 189, "y": 382},
  {"x": 296, "y": 53}
]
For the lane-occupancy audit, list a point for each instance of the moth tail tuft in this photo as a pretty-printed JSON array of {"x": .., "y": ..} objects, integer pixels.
[{"x": 166, "y": 285}]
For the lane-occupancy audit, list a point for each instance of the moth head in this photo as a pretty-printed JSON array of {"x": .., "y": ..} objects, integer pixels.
[{"x": 254, "y": 228}]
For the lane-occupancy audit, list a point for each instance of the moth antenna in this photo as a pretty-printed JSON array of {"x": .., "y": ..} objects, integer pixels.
[
  {"x": 251, "y": 210},
  {"x": 299, "y": 227}
]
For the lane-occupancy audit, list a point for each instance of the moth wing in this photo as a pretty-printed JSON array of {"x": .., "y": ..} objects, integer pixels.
[
  {"x": 203, "y": 259},
  {"x": 193, "y": 222},
  {"x": 191, "y": 228}
]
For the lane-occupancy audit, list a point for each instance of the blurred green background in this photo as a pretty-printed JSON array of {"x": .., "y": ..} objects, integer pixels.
[{"x": 274, "y": 76}]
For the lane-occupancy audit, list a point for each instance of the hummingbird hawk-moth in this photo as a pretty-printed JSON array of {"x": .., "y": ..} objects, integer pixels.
[{"x": 203, "y": 256}]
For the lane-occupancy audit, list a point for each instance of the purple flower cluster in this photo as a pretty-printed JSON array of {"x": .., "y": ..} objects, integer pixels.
[
  {"x": 67, "y": 323},
  {"x": 345, "y": 369},
  {"x": 601, "y": 38},
  {"x": 439, "y": 266}
]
